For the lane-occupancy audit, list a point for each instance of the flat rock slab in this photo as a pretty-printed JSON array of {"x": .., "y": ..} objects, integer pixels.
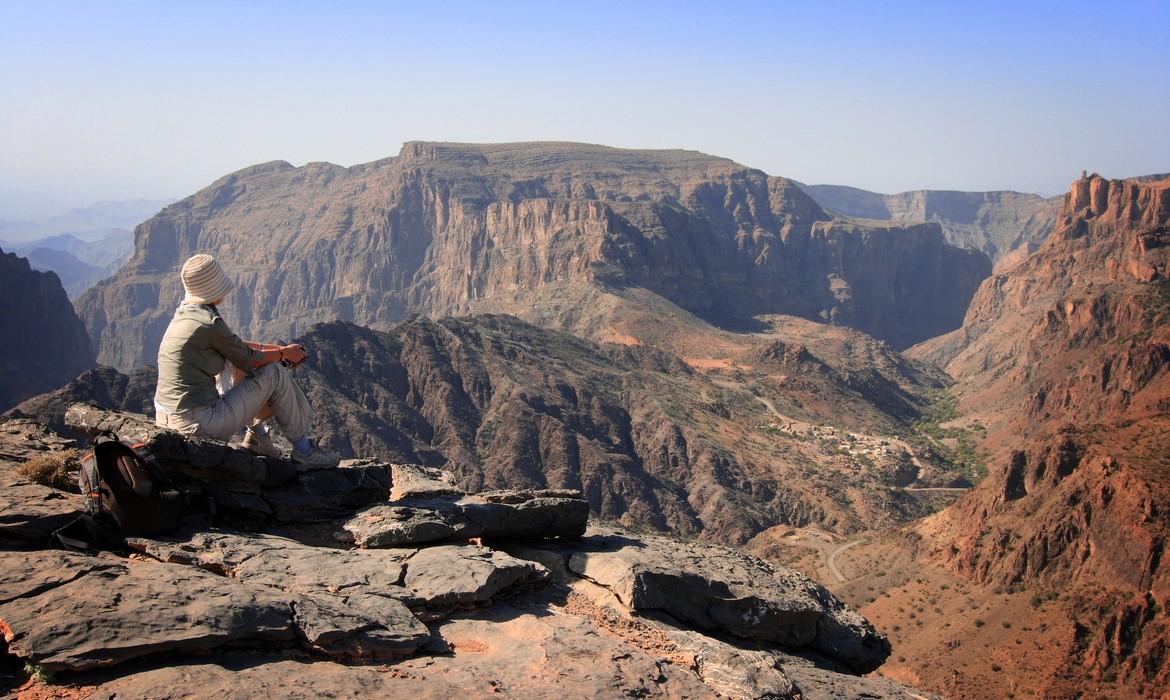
[
  {"x": 716, "y": 588},
  {"x": 516, "y": 514},
  {"x": 21, "y": 438},
  {"x": 499, "y": 652},
  {"x": 99, "y": 611},
  {"x": 72, "y": 612},
  {"x": 375, "y": 582},
  {"x": 29, "y": 512}
]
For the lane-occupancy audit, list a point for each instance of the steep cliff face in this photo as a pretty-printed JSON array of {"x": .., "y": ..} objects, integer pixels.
[
  {"x": 45, "y": 343},
  {"x": 1067, "y": 357},
  {"x": 1003, "y": 224},
  {"x": 450, "y": 229}
]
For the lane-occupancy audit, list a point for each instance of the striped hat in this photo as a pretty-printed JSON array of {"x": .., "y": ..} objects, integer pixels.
[{"x": 204, "y": 280}]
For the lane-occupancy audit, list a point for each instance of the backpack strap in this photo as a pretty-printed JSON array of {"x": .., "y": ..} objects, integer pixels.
[{"x": 90, "y": 534}]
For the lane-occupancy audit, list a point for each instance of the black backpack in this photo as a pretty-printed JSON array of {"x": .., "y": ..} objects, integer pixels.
[
  {"x": 128, "y": 483},
  {"x": 127, "y": 493}
]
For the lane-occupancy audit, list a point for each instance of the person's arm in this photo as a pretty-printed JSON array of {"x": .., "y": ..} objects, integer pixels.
[{"x": 293, "y": 354}]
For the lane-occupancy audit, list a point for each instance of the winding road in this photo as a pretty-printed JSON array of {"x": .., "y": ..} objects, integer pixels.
[{"x": 831, "y": 562}]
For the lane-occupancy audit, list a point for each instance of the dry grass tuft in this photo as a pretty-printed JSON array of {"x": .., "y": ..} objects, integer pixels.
[{"x": 55, "y": 469}]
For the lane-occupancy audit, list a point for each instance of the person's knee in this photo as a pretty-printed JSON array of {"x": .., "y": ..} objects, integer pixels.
[{"x": 271, "y": 375}]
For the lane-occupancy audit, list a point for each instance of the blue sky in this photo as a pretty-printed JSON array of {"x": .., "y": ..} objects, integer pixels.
[{"x": 115, "y": 100}]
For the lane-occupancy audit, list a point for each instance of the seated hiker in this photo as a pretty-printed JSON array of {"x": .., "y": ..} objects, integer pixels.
[{"x": 198, "y": 345}]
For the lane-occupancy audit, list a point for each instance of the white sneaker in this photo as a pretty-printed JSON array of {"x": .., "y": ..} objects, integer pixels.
[
  {"x": 261, "y": 444},
  {"x": 316, "y": 458}
]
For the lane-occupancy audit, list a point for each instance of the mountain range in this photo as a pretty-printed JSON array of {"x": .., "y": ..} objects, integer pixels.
[
  {"x": 80, "y": 260},
  {"x": 553, "y": 233}
]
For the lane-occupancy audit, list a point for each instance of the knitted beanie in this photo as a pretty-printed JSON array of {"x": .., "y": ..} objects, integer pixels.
[{"x": 204, "y": 280}]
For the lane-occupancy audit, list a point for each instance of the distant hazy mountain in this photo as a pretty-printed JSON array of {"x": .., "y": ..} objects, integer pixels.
[
  {"x": 81, "y": 260},
  {"x": 997, "y": 223},
  {"x": 85, "y": 222}
]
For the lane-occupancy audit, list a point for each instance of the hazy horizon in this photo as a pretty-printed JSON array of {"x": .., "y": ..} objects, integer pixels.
[{"x": 143, "y": 102}]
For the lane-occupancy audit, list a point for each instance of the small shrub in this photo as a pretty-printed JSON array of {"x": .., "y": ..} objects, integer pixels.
[
  {"x": 38, "y": 673},
  {"x": 996, "y": 668},
  {"x": 54, "y": 469},
  {"x": 979, "y": 622}
]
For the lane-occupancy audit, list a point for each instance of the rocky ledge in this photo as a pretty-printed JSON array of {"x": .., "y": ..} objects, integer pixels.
[{"x": 502, "y": 592}]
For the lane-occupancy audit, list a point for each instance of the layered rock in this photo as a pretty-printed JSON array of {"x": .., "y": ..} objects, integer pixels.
[
  {"x": 47, "y": 344},
  {"x": 1005, "y": 225},
  {"x": 453, "y": 228},
  {"x": 245, "y": 488}
]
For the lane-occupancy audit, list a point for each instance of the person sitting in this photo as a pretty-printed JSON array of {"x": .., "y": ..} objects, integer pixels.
[{"x": 198, "y": 345}]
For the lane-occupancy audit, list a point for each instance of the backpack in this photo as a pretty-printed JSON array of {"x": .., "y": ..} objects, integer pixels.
[{"x": 126, "y": 484}]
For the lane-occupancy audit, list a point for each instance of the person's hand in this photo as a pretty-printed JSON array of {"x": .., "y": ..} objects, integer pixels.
[{"x": 294, "y": 354}]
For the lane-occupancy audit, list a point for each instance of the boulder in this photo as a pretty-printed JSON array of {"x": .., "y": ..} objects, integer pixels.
[
  {"x": 333, "y": 627},
  {"x": 518, "y": 514},
  {"x": 720, "y": 589},
  {"x": 460, "y": 575},
  {"x": 412, "y": 481}
]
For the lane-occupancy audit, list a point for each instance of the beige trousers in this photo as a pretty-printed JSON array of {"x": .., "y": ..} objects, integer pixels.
[{"x": 270, "y": 385}]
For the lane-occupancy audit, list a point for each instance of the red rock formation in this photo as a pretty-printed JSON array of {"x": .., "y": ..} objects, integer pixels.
[{"x": 1067, "y": 357}]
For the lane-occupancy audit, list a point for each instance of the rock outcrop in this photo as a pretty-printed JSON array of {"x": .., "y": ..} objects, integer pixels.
[
  {"x": 1004, "y": 225},
  {"x": 101, "y": 386},
  {"x": 217, "y": 608},
  {"x": 47, "y": 345},
  {"x": 457, "y": 228},
  {"x": 722, "y": 590}
]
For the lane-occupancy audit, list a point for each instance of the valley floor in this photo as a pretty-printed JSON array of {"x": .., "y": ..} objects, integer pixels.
[{"x": 949, "y": 635}]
